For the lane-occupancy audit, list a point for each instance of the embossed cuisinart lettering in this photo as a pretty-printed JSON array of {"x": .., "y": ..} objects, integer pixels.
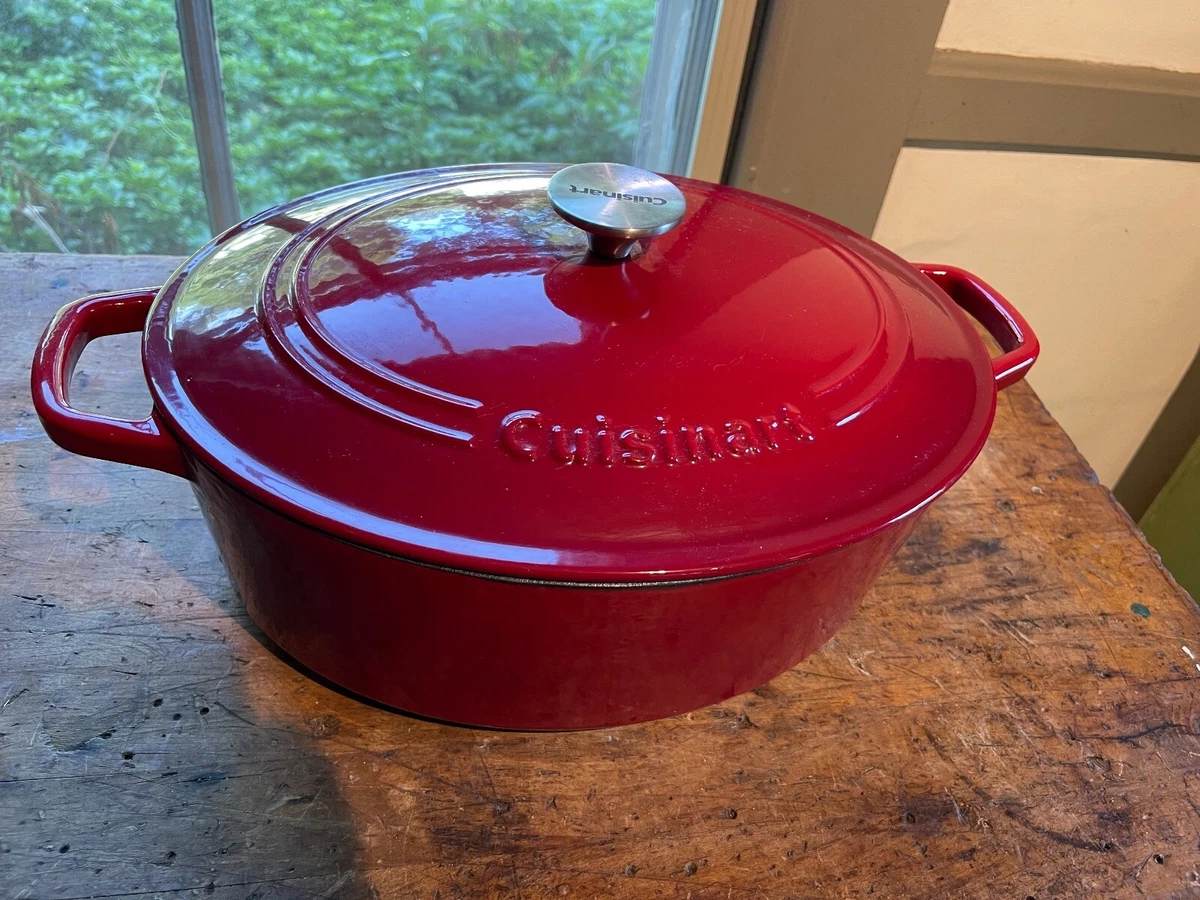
[
  {"x": 617, "y": 195},
  {"x": 528, "y": 435}
]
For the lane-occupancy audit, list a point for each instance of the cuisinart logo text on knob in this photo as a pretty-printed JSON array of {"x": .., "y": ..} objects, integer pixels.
[{"x": 616, "y": 195}]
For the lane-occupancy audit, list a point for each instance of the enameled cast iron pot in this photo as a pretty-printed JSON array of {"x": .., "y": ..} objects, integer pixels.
[{"x": 463, "y": 462}]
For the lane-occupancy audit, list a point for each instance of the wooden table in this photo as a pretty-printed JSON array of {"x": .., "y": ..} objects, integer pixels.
[{"x": 1013, "y": 713}]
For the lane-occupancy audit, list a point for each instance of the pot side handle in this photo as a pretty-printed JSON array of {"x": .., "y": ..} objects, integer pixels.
[
  {"x": 141, "y": 443},
  {"x": 996, "y": 314}
]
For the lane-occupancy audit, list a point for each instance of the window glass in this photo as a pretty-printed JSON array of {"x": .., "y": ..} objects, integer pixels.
[
  {"x": 96, "y": 147},
  {"x": 322, "y": 93}
]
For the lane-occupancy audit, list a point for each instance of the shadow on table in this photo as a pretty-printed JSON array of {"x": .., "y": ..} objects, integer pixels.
[{"x": 155, "y": 749}]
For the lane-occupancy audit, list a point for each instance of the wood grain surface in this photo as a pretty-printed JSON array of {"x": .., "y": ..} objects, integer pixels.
[{"x": 1012, "y": 714}]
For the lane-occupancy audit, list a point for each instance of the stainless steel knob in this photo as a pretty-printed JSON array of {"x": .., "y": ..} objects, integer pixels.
[{"x": 616, "y": 205}]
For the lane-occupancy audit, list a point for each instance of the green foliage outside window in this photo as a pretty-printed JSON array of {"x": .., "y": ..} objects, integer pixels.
[{"x": 96, "y": 146}]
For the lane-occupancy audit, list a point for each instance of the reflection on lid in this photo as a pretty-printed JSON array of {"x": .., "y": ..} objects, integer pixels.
[{"x": 437, "y": 263}]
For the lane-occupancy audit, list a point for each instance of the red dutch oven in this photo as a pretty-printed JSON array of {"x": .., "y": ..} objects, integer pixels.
[{"x": 534, "y": 448}]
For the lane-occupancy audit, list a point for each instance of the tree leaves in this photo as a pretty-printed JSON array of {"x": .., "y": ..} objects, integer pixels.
[{"x": 96, "y": 134}]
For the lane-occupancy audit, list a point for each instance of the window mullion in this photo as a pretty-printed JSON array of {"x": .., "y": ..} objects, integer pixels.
[{"x": 206, "y": 97}]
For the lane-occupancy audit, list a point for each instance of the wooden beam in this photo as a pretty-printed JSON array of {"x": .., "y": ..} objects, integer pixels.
[
  {"x": 833, "y": 88},
  {"x": 951, "y": 63},
  {"x": 986, "y": 101}
]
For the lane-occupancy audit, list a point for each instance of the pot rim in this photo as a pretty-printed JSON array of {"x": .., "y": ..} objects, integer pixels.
[{"x": 522, "y": 580}]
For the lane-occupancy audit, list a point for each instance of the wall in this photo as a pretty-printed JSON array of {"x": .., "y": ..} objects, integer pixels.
[
  {"x": 1100, "y": 253},
  {"x": 1161, "y": 34}
]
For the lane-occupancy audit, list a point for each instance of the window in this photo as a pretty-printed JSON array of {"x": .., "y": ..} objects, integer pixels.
[
  {"x": 319, "y": 94},
  {"x": 96, "y": 146},
  {"x": 113, "y": 140}
]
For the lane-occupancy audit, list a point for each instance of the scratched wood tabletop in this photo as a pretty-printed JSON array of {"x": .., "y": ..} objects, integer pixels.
[{"x": 1013, "y": 712}]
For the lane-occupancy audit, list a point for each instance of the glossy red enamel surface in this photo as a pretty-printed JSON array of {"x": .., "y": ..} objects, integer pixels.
[
  {"x": 431, "y": 366},
  {"x": 140, "y": 443},
  {"x": 456, "y": 465},
  {"x": 511, "y": 655}
]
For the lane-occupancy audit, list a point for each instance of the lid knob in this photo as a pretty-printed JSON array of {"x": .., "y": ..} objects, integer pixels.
[{"x": 615, "y": 204}]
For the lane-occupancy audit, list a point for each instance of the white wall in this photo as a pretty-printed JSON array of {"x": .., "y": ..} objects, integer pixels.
[
  {"x": 1162, "y": 34},
  {"x": 1101, "y": 254}
]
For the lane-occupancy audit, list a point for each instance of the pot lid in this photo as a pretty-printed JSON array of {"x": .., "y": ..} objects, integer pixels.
[{"x": 435, "y": 365}]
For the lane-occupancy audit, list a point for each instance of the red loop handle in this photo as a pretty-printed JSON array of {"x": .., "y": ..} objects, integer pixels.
[
  {"x": 142, "y": 443},
  {"x": 996, "y": 314}
]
